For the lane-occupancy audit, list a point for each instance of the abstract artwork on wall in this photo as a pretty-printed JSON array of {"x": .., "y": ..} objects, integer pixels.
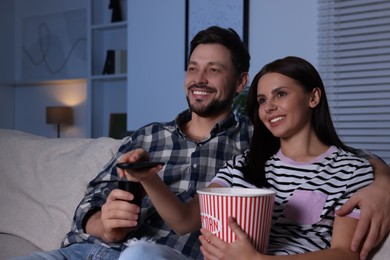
[{"x": 54, "y": 46}]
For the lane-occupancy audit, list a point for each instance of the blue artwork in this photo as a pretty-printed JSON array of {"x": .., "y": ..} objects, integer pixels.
[{"x": 54, "y": 46}]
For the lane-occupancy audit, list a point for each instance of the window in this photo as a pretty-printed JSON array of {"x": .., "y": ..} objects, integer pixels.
[{"x": 354, "y": 61}]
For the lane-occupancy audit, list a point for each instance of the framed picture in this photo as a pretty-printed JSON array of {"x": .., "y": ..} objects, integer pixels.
[
  {"x": 201, "y": 14},
  {"x": 54, "y": 46}
]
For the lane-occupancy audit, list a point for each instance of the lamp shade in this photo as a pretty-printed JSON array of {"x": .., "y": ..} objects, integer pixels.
[{"x": 59, "y": 115}]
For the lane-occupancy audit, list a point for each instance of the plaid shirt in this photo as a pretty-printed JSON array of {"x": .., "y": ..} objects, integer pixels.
[{"x": 189, "y": 166}]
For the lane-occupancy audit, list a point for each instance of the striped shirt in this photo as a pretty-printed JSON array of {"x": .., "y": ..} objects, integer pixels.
[
  {"x": 189, "y": 165},
  {"x": 307, "y": 195}
]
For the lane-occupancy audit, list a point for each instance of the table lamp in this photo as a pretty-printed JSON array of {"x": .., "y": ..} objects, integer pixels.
[{"x": 58, "y": 116}]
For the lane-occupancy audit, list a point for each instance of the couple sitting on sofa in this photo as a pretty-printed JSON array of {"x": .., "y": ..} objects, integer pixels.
[{"x": 194, "y": 147}]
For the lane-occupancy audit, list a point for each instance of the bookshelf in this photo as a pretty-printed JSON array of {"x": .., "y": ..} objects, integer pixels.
[{"x": 107, "y": 92}]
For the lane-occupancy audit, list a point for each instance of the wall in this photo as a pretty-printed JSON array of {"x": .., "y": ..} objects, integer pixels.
[
  {"x": 156, "y": 69},
  {"x": 280, "y": 28}
]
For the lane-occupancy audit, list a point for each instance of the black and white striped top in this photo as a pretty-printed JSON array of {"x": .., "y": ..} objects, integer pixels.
[{"x": 307, "y": 195}]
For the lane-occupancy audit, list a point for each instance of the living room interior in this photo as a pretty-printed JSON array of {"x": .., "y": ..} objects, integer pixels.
[
  {"x": 56, "y": 99},
  {"x": 156, "y": 50},
  {"x": 152, "y": 87}
]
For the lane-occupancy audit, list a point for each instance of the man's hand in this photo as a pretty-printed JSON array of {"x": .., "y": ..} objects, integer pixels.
[
  {"x": 374, "y": 202},
  {"x": 139, "y": 175},
  {"x": 116, "y": 218}
]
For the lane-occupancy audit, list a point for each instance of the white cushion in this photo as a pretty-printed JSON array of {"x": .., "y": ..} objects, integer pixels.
[{"x": 42, "y": 180}]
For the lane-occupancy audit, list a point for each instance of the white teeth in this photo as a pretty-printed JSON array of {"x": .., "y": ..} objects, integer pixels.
[
  {"x": 276, "y": 119},
  {"x": 197, "y": 92}
]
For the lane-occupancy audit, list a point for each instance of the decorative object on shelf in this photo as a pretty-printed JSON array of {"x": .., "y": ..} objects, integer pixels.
[
  {"x": 58, "y": 116},
  {"x": 116, "y": 11},
  {"x": 120, "y": 61},
  {"x": 109, "y": 65},
  {"x": 116, "y": 62},
  {"x": 118, "y": 125}
]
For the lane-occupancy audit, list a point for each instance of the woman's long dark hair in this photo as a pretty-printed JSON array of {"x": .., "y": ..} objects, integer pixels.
[{"x": 264, "y": 144}]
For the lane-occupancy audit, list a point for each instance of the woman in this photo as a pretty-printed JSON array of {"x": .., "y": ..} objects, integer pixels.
[{"x": 296, "y": 152}]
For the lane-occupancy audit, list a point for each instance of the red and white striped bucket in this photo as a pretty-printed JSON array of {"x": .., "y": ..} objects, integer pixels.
[{"x": 252, "y": 209}]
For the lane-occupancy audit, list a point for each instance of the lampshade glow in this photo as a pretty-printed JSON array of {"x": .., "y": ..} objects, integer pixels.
[{"x": 59, "y": 115}]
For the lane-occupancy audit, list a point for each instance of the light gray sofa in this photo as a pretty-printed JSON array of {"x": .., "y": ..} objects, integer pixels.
[{"x": 42, "y": 181}]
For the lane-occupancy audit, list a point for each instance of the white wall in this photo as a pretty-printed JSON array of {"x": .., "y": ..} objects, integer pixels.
[
  {"x": 280, "y": 28},
  {"x": 156, "y": 68}
]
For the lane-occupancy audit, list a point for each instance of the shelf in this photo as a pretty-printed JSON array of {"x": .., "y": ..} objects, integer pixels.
[
  {"x": 109, "y": 77},
  {"x": 107, "y": 92},
  {"x": 110, "y": 26},
  {"x": 47, "y": 82}
]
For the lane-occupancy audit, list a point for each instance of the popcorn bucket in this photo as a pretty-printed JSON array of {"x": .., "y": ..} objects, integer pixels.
[{"x": 252, "y": 209}]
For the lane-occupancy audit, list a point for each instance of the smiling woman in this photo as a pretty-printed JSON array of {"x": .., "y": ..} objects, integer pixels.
[{"x": 295, "y": 151}]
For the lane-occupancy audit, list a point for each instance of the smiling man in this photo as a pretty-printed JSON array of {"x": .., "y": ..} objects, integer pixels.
[
  {"x": 193, "y": 146},
  {"x": 211, "y": 81}
]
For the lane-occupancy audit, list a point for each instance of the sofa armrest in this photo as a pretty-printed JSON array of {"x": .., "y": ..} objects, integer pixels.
[{"x": 42, "y": 180}]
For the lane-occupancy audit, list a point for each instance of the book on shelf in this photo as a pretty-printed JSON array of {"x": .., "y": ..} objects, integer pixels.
[
  {"x": 120, "y": 61},
  {"x": 116, "y": 62}
]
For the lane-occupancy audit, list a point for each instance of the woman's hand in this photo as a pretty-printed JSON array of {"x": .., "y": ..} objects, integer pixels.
[{"x": 214, "y": 248}]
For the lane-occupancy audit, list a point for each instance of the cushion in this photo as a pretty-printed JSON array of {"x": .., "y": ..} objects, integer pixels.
[{"x": 42, "y": 180}]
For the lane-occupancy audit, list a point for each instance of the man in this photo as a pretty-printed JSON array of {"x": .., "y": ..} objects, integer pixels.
[{"x": 193, "y": 146}]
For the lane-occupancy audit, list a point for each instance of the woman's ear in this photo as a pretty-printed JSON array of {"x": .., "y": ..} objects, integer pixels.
[
  {"x": 315, "y": 97},
  {"x": 242, "y": 81}
]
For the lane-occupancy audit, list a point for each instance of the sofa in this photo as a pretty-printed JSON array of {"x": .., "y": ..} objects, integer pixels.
[{"x": 42, "y": 180}]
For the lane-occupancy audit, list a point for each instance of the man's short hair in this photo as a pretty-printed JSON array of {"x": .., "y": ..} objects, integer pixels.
[{"x": 228, "y": 38}]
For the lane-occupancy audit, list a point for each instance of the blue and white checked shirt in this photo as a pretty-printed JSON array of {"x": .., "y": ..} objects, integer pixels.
[{"x": 189, "y": 166}]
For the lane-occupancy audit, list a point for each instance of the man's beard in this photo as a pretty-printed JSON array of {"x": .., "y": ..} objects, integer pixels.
[{"x": 215, "y": 107}]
